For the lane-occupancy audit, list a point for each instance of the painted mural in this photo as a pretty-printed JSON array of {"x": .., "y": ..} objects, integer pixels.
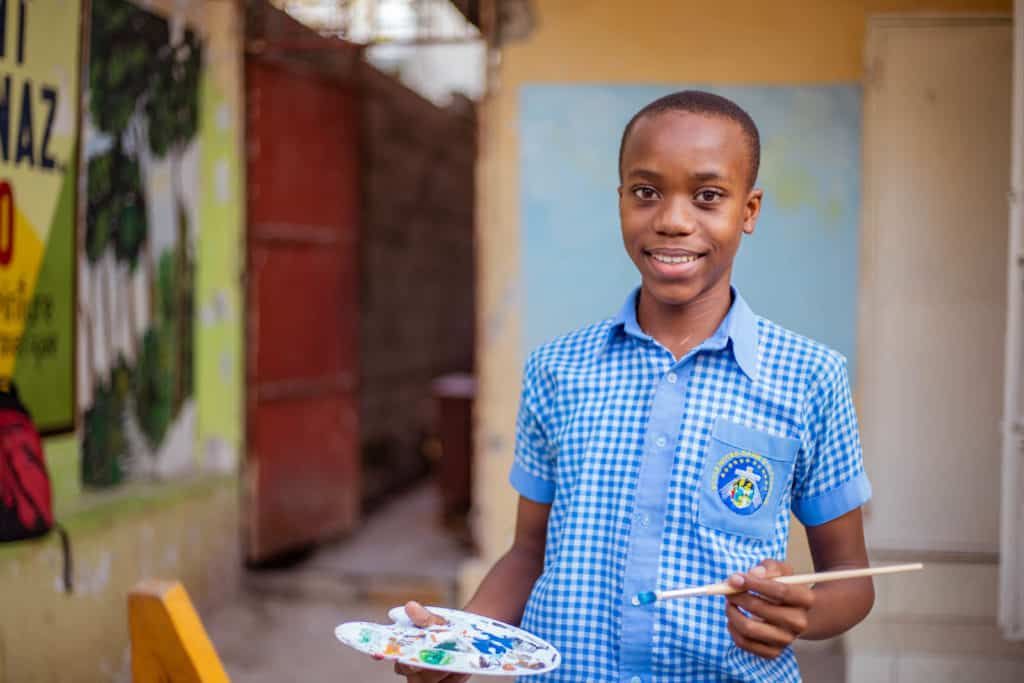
[
  {"x": 799, "y": 268},
  {"x": 136, "y": 258},
  {"x": 38, "y": 132}
]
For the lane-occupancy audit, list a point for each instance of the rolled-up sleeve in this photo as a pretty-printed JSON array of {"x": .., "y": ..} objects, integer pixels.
[
  {"x": 533, "y": 470},
  {"x": 830, "y": 480}
]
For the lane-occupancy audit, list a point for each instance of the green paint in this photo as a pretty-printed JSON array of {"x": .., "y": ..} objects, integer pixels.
[
  {"x": 435, "y": 657},
  {"x": 64, "y": 466},
  {"x": 219, "y": 259},
  {"x": 365, "y": 636},
  {"x": 43, "y": 366},
  {"x": 794, "y": 186},
  {"x": 102, "y": 511},
  {"x": 132, "y": 73},
  {"x": 105, "y": 509},
  {"x": 220, "y": 245},
  {"x": 834, "y": 210}
]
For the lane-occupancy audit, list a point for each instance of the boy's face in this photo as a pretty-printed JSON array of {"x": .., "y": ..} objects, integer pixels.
[{"x": 684, "y": 203}]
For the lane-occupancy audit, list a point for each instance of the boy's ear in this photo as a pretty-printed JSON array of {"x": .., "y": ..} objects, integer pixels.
[{"x": 752, "y": 210}]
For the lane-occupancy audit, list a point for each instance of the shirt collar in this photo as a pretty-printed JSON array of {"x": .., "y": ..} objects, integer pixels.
[
  {"x": 739, "y": 327},
  {"x": 626, "y": 320}
]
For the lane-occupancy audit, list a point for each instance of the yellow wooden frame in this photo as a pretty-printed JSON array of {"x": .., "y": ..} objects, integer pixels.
[{"x": 169, "y": 642}]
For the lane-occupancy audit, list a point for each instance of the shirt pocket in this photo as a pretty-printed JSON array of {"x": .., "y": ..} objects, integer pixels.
[{"x": 746, "y": 472}]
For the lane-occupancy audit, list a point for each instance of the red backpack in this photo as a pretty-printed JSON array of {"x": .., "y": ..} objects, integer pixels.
[{"x": 26, "y": 509}]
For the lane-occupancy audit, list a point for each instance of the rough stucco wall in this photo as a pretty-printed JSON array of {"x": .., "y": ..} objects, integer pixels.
[{"x": 798, "y": 41}]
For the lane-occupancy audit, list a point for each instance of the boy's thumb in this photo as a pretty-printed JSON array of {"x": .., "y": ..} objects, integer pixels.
[{"x": 420, "y": 616}]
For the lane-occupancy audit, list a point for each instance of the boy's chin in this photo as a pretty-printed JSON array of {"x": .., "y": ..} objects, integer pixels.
[{"x": 672, "y": 295}]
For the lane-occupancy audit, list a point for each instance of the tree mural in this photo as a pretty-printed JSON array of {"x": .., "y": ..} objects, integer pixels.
[{"x": 143, "y": 102}]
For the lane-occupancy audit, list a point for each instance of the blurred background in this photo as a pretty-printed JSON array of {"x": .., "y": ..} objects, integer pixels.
[{"x": 269, "y": 271}]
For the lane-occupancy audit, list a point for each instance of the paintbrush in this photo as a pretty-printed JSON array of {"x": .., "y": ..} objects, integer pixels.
[{"x": 724, "y": 588}]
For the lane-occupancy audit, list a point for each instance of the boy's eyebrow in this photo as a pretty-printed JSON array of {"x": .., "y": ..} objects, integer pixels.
[
  {"x": 700, "y": 176},
  {"x": 644, "y": 173},
  {"x": 705, "y": 176}
]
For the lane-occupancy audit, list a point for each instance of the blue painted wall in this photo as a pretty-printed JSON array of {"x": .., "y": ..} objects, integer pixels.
[{"x": 799, "y": 268}]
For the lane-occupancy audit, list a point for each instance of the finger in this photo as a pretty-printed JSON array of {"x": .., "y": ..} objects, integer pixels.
[
  {"x": 739, "y": 579},
  {"x": 757, "y": 631},
  {"x": 420, "y": 616},
  {"x": 405, "y": 669},
  {"x": 790, "y": 595},
  {"x": 792, "y": 619},
  {"x": 775, "y": 568},
  {"x": 420, "y": 676},
  {"x": 759, "y": 649},
  {"x": 415, "y": 674}
]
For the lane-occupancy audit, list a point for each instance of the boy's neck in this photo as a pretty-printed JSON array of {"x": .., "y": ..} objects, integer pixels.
[{"x": 682, "y": 328}]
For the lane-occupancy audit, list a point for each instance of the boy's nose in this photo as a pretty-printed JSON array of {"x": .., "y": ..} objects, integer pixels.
[{"x": 675, "y": 219}]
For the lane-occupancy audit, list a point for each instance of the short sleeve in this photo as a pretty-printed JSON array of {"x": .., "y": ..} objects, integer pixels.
[
  {"x": 830, "y": 479},
  {"x": 533, "y": 470}
]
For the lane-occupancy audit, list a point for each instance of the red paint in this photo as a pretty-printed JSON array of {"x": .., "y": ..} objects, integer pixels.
[
  {"x": 6, "y": 223},
  {"x": 303, "y": 298}
]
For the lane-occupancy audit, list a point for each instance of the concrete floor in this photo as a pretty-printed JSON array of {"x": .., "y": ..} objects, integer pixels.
[{"x": 282, "y": 627}]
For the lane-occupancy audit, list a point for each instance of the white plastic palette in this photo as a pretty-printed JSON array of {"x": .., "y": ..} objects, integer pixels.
[{"x": 467, "y": 643}]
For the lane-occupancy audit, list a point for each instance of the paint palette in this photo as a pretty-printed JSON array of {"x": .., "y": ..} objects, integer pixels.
[{"x": 467, "y": 643}]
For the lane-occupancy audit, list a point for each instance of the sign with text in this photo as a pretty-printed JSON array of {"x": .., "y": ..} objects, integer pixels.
[{"x": 39, "y": 57}]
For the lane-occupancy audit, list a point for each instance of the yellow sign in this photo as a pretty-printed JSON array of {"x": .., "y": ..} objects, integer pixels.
[{"x": 39, "y": 65}]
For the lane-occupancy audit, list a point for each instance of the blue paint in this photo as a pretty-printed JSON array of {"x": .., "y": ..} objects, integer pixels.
[
  {"x": 645, "y": 598},
  {"x": 491, "y": 644},
  {"x": 800, "y": 268}
]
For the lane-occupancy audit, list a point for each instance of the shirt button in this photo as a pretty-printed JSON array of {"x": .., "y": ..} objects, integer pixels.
[
  {"x": 672, "y": 378},
  {"x": 636, "y": 679},
  {"x": 661, "y": 441}
]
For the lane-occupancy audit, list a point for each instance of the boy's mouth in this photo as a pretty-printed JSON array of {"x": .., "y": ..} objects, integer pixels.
[
  {"x": 673, "y": 257},
  {"x": 672, "y": 264},
  {"x": 674, "y": 260}
]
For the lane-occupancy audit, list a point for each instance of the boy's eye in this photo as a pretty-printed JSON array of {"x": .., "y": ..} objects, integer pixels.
[
  {"x": 645, "y": 192},
  {"x": 708, "y": 195}
]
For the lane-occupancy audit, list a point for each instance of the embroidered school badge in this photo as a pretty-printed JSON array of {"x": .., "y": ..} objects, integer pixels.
[{"x": 744, "y": 481}]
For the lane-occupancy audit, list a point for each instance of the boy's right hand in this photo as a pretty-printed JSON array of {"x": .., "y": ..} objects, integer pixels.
[{"x": 419, "y": 616}]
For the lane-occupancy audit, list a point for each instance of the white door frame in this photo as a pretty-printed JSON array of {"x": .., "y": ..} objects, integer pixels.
[{"x": 1011, "y": 566}]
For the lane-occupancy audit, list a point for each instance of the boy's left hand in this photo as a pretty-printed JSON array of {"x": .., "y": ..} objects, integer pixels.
[{"x": 778, "y": 613}]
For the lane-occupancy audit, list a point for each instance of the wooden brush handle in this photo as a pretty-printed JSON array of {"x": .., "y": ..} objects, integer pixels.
[{"x": 725, "y": 588}]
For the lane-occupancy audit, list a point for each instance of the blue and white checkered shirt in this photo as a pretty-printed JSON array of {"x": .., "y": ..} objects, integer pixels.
[{"x": 666, "y": 474}]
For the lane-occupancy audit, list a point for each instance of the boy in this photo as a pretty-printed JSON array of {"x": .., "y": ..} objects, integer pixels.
[{"x": 665, "y": 447}]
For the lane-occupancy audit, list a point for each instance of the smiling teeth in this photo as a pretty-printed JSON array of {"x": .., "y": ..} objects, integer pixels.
[{"x": 674, "y": 259}]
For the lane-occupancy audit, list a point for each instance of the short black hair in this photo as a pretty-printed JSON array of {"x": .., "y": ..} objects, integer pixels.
[{"x": 708, "y": 104}]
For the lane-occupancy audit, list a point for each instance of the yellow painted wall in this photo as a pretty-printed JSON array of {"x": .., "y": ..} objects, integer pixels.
[
  {"x": 187, "y": 532},
  {"x": 794, "y": 41}
]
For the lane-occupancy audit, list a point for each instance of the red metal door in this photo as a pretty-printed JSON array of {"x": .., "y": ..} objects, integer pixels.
[{"x": 302, "y": 481}]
